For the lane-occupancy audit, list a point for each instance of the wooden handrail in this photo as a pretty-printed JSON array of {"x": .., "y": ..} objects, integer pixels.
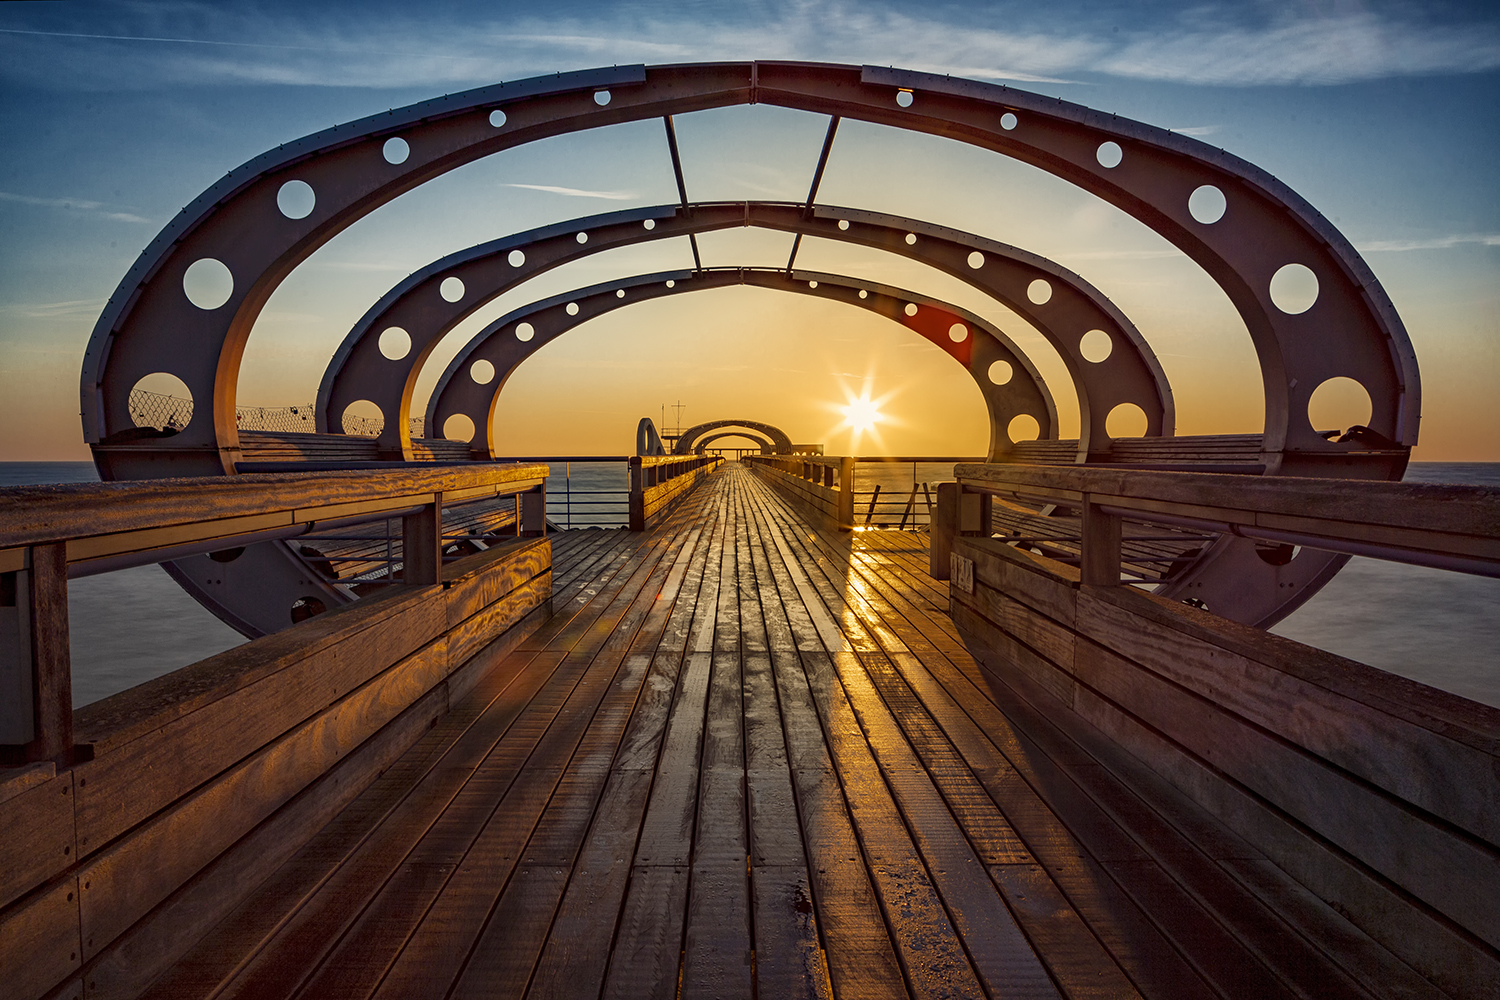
[
  {"x": 1444, "y": 526},
  {"x": 142, "y": 519},
  {"x": 49, "y": 533}
]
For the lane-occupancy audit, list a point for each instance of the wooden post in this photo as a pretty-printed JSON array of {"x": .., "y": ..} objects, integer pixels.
[
  {"x": 637, "y": 495},
  {"x": 846, "y": 494},
  {"x": 533, "y": 512},
  {"x": 943, "y": 530},
  {"x": 51, "y": 667},
  {"x": 1101, "y": 546},
  {"x": 422, "y": 545}
]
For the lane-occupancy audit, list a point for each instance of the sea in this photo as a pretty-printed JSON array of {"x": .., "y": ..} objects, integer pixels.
[{"x": 1436, "y": 627}]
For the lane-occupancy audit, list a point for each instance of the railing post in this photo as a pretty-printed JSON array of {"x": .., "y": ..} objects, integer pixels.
[
  {"x": 422, "y": 545},
  {"x": 1101, "y": 546},
  {"x": 532, "y": 519},
  {"x": 36, "y": 720},
  {"x": 846, "y": 494},
  {"x": 637, "y": 505},
  {"x": 942, "y": 532}
]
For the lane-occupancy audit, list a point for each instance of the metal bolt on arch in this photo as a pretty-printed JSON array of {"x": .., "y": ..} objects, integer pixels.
[{"x": 251, "y": 231}]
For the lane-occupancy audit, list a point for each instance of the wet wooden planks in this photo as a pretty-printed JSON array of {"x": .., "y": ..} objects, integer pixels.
[{"x": 745, "y": 757}]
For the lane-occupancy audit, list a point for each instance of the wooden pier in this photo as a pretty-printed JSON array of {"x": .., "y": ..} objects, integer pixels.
[{"x": 747, "y": 754}]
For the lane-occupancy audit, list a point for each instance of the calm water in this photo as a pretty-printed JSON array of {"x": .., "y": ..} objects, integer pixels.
[{"x": 1439, "y": 628}]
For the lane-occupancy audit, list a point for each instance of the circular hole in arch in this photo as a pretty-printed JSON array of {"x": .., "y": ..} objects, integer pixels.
[
  {"x": 864, "y": 294},
  {"x": 362, "y": 418},
  {"x": 911, "y": 239},
  {"x": 671, "y": 283},
  {"x": 620, "y": 294},
  {"x": 162, "y": 401},
  {"x": 571, "y": 308},
  {"x": 1001, "y": 372},
  {"x": 395, "y": 150},
  {"x": 582, "y": 237},
  {"x": 395, "y": 343},
  {"x": 304, "y": 608},
  {"x": 525, "y": 331},
  {"x": 1109, "y": 155},
  {"x": 515, "y": 258},
  {"x": 976, "y": 260},
  {"x": 1126, "y": 420},
  {"x": 1277, "y": 553},
  {"x": 452, "y": 289},
  {"x": 649, "y": 224},
  {"x": 1095, "y": 346},
  {"x": 601, "y": 97},
  {"x": 911, "y": 309},
  {"x": 844, "y": 225},
  {"x": 1294, "y": 288},
  {"x": 296, "y": 199},
  {"x": 1339, "y": 404},
  {"x": 958, "y": 333},
  {"x": 1024, "y": 427},
  {"x": 207, "y": 283},
  {"x": 904, "y": 98},
  {"x": 1008, "y": 121},
  {"x": 458, "y": 427},
  {"x": 497, "y": 118},
  {"x": 1207, "y": 204},
  {"x": 482, "y": 372},
  {"x": 812, "y": 284},
  {"x": 1039, "y": 291}
]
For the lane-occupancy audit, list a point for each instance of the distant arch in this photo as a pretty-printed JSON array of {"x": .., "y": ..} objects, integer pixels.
[
  {"x": 780, "y": 442},
  {"x": 765, "y": 446}
]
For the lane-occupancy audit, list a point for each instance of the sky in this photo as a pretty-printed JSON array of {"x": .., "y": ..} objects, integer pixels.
[{"x": 1385, "y": 116}]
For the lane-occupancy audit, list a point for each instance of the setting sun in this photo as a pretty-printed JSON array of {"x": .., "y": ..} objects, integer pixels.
[{"x": 863, "y": 414}]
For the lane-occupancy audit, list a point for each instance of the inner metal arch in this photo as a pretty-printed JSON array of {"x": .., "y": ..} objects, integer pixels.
[
  {"x": 765, "y": 446},
  {"x": 150, "y": 325},
  {"x": 519, "y": 334},
  {"x": 1130, "y": 374}
]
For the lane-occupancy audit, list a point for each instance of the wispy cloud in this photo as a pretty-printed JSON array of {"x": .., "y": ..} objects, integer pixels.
[
  {"x": 1435, "y": 243},
  {"x": 1212, "y": 43},
  {"x": 1196, "y": 130},
  {"x": 568, "y": 192},
  {"x": 72, "y": 205},
  {"x": 54, "y": 310}
]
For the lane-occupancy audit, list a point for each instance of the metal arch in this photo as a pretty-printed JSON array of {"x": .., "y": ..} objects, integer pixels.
[
  {"x": 766, "y": 447},
  {"x": 1130, "y": 374},
  {"x": 1352, "y": 330},
  {"x": 780, "y": 442},
  {"x": 1024, "y": 393}
]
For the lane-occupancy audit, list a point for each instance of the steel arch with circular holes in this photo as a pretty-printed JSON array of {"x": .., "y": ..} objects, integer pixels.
[
  {"x": 1347, "y": 329},
  {"x": 516, "y": 336},
  {"x": 1070, "y": 309},
  {"x": 764, "y": 444}
]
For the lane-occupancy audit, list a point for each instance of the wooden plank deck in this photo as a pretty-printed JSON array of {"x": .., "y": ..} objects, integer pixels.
[{"x": 747, "y": 757}]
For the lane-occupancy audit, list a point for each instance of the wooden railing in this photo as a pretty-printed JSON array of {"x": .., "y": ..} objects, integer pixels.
[
  {"x": 658, "y": 482},
  {"x": 230, "y": 764},
  {"x": 824, "y": 485},
  {"x": 1379, "y": 795}
]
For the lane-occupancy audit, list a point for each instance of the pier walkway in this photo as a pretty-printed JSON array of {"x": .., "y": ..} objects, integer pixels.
[{"x": 745, "y": 756}]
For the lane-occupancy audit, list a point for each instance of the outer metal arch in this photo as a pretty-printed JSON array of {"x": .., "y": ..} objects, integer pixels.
[
  {"x": 766, "y": 447},
  {"x": 1026, "y": 392},
  {"x": 1159, "y": 170},
  {"x": 780, "y": 441},
  {"x": 1131, "y": 374}
]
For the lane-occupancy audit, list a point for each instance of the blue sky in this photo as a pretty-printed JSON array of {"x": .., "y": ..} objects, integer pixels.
[{"x": 1385, "y": 116}]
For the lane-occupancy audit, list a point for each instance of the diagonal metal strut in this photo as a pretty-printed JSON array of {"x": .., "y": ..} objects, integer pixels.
[{"x": 812, "y": 192}]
